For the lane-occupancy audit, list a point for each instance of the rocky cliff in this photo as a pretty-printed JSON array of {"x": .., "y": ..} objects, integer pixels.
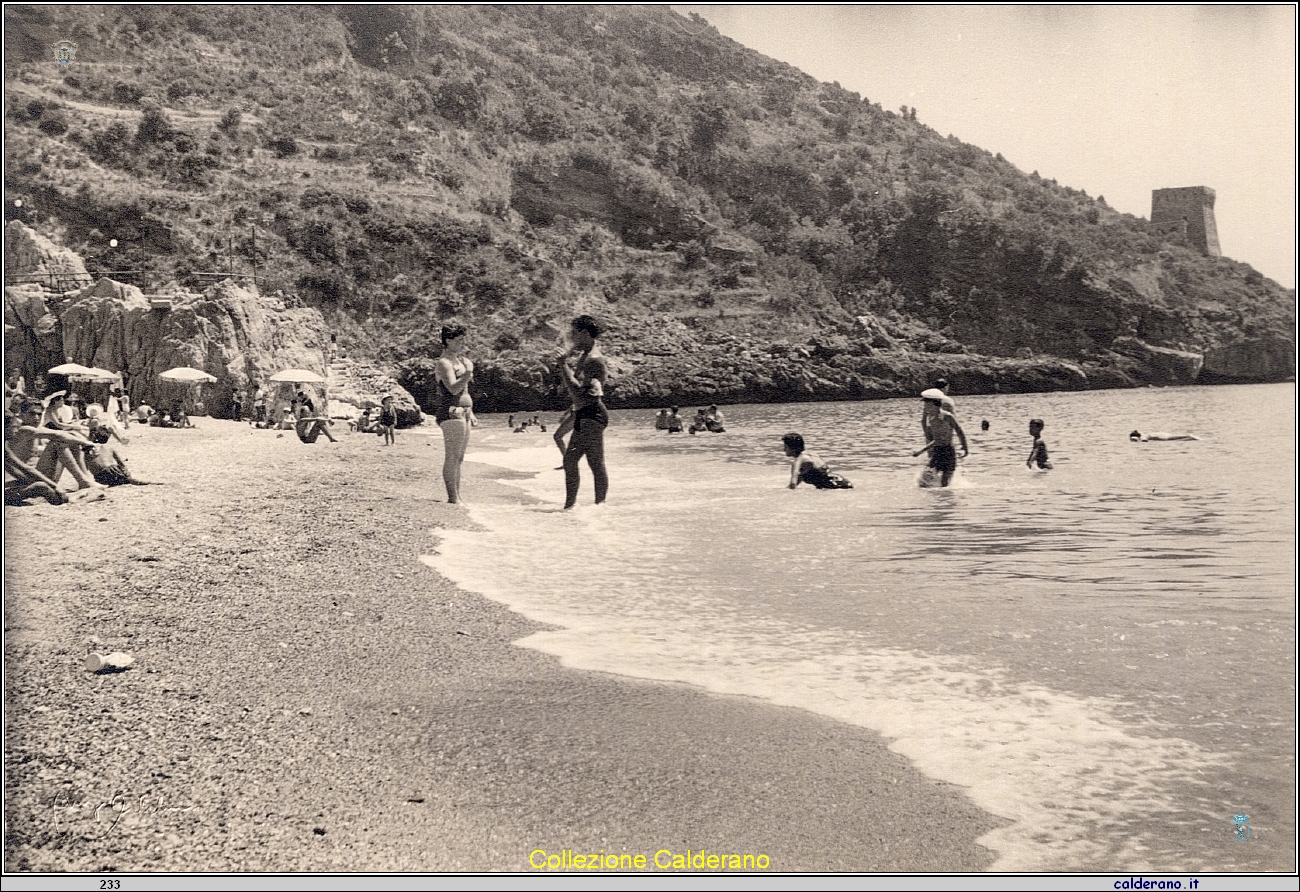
[
  {"x": 235, "y": 333},
  {"x": 744, "y": 231}
]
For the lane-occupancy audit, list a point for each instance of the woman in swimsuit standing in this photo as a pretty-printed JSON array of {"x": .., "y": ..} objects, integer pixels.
[
  {"x": 585, "y": 376},
  {"x": 455, "y": 409}
]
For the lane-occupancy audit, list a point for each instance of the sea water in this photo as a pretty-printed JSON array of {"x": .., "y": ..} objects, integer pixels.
[{"x": 1090, "y": 651}]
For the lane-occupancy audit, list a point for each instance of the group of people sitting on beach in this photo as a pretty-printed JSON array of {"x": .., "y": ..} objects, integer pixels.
[
  {"x": 709, "y": 419},
  {"x": 45, "y": 438}
]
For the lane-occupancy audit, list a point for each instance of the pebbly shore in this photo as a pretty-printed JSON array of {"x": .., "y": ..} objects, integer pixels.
[{"x": 308, "y": 696}]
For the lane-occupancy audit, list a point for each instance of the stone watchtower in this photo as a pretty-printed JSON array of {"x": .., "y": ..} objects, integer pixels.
[{"x": 1189, "y": 212}]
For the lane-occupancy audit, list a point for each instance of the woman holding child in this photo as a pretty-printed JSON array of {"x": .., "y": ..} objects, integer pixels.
[{"x": 454, "y": 411}]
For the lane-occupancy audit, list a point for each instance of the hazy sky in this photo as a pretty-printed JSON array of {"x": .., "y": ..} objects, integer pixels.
[{"x": 1115, "y": 100}]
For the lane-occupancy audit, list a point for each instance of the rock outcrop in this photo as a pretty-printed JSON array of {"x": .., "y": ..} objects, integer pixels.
[
  {"x": 1254, "y": 359},
  {"x": 32, "y": 258},
  {"x": 355, "y": 385},
  {"x": 234, "y": 333},
  {"x": 1160, "y": 365}
]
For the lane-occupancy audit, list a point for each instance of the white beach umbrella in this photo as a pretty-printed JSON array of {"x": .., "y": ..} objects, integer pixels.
[
  {"x": 95, "y": 376},
  {"x": 297, "y": 376},
  {"x": 187, "y": 375},
  {"x": 68, "y": 369}
]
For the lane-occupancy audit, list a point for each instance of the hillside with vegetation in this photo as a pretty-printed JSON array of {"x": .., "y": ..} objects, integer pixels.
[{"x": 744, "y": 231}]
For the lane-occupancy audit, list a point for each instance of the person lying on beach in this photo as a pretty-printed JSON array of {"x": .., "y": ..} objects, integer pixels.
[
  {"x": 1038, "y": 454},
  {"x": 309, "y": 427},
  {"x": 808, "y": 468},
  {"x": 63, "y": 449},
  {"x": 940, "y": 425},
  {"x": 1159, "y": 435}
]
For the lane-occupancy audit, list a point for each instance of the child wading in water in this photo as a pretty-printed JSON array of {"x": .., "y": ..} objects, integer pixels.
[
  {"x": 807, "y": 468},
  {"x": 1039, "y": 453}
]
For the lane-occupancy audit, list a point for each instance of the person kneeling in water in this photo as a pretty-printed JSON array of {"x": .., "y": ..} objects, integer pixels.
[{"x": 807, "y": 468}]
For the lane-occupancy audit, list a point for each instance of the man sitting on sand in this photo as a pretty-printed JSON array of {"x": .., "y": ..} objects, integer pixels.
[
  {"x": 24, "y": 481},
  {"x": 63, "y": 449},
  {"x": 310, "y": 426},
  {"x": 106, "y": 464}
]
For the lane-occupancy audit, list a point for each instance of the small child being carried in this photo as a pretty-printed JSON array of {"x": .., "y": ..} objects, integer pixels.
[{"x": 807, "y": 468}]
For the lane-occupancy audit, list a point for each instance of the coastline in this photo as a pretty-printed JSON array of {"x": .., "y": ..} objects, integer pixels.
[{"x": 308, "y": 696}]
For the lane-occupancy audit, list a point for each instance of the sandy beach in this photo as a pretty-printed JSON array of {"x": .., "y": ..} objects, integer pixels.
[{"x": 308, "y": 696}]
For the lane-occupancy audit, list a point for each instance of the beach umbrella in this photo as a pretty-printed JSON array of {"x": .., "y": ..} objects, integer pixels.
[
  {"x": 69, "y": 369},
  {"x": 94, "y": 375},
  {"x": 187, "y": 375},
  {"x": 297, "y": 376}
]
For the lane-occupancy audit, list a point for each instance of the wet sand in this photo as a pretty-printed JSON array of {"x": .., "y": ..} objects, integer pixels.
[{"x": 308, "y": 696}]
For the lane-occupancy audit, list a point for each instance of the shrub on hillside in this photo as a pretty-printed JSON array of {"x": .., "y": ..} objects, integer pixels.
[
  {"x": 329, "y": 286},
  {"x": 53, "y": 124},
  {"x": 154, "y": 127},
  {"x": 126, "y": 94},
  {"x": 230, "y": 120},
  {"x": 283, "y": 146}
]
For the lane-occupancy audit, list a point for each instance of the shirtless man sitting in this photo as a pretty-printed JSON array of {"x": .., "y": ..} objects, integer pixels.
[
  {"x": 63, "y": 449},
  {"x": 310, "y": 426}
]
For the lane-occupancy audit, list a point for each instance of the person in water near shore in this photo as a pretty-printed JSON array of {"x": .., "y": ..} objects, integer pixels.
[
  {"x": 1135, "y": 436},
  {"x": 713, "y": 421},
  {"x": 585, "y": 376},
  {"x": 674, "y": 421},
  {"x": 808, "y": 468},
  {"x": 699, "y": 423},
  {"x": 1038, "y": 454},
  {"x": 454, "y": 412},
  {"x": 940, "y": 427},
  {"x": 928, "y": 410}
]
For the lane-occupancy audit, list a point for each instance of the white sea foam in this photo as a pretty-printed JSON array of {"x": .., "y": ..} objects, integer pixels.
[{"x": 688, "y": 574}]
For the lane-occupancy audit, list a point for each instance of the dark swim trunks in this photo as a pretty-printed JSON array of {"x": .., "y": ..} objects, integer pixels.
[
  {"x": 943, "y": 457},
  {"x": 1040, "y": 455},
  {"x": 823, "y": 479},
  {"x": 593, "y": 412}
]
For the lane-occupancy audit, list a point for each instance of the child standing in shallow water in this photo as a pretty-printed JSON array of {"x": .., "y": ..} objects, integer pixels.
[
  {"x": 807, "y": 468},
  {"x": 1038, "y": 454}
]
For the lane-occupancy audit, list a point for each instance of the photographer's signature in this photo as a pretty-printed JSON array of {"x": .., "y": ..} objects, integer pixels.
[{"x": 105, "y": 815}]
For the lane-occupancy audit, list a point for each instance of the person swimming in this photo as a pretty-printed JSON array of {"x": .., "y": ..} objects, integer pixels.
[
  {"x": 1137, "y": 436},
  {"x": 807, "y": 468}
]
